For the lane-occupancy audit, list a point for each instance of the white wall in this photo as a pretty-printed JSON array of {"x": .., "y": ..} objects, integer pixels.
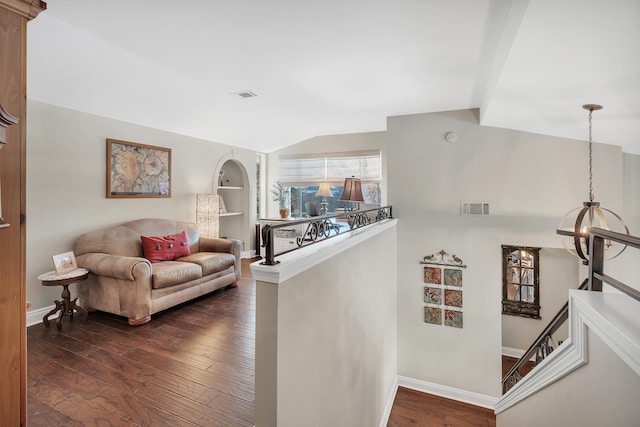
[
  {"x": 604, "y": 392},
  {"x": 326, "y": 336},
  {"x": 66, "y": 183},
  {"x": 630, "y": 259},
  {"x": 531, "y": 182}
]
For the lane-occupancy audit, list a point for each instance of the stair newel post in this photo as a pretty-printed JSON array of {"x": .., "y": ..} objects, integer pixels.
[{"x": 596, "y": 263}]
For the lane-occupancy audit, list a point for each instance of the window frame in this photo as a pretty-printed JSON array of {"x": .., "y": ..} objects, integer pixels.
[{"x": 521, "y": 308}]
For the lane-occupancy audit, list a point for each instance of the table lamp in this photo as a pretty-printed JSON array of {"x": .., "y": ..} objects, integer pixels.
[{"x": 324, "y": 191}]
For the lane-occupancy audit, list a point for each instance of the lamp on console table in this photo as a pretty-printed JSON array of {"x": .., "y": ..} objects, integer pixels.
[
  {"x": 352, "y": 191},
  {"x": 324, "y": 191}
]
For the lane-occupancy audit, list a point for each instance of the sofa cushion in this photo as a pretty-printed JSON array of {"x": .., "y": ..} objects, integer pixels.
[
  {"x": 169, "y": 273},
  {"x": 165, "y": 248},
  {"x": 211, "y": 262}
]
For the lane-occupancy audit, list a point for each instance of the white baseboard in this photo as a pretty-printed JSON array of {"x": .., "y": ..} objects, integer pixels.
[
  {"x": 464, "y": 396},
  {"x": 34, "y": 317},
  {"x": 389, "y": 404},
  {"x": 248, "y": 254},
  {"x": 516, "y": 352}
]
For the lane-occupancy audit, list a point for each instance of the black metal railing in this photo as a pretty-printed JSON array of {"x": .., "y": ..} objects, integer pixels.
[
  {"x": 598, "y": 240},
  {"x": 541, "y": 347},
  {"x": 544, "y": 344},
  {"x": 316, "y": 229}
]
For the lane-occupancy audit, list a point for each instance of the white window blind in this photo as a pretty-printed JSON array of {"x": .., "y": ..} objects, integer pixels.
[{"x": 331, "y": 167}]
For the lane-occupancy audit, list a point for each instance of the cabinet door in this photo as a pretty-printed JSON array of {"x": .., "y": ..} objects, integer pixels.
[{"x": 13, "y": 355}]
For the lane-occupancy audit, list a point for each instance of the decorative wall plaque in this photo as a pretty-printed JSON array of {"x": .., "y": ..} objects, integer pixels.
[{"x": 443, "y": 293}]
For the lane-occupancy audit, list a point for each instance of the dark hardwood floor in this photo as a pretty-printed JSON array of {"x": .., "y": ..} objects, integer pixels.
[
  {"x": 416, "y": 409},
  {"x": 191, "y": 365}
]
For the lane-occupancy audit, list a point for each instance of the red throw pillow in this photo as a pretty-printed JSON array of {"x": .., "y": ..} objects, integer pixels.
[{"x": 165, "y": 248}]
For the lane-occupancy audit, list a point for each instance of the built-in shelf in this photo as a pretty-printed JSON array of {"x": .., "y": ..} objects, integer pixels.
[
  {"x": 230, "y": 188},
  {"x": 231, "y": 214}
]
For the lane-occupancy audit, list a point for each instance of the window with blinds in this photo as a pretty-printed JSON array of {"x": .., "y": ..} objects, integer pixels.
[{"x": 331, "y": 167}]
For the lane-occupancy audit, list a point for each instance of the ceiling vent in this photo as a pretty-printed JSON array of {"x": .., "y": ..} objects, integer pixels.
[
  {"x": 474, "y": 208},
  {"x": 246, "y": 94}
]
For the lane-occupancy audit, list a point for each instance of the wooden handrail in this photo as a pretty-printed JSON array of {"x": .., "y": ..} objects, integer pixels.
[{"x": 597, "y": 238}]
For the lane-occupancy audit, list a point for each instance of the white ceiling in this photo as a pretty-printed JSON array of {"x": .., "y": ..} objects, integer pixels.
[{"x": 341, "y": 66}]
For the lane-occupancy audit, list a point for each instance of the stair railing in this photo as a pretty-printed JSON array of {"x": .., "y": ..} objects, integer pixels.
[
  {"x": 599, "y": 239},
  {"x": 541, "y": 347}
]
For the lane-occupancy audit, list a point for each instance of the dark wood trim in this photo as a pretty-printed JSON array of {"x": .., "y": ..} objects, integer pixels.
[{"x": 28, "y": 9}]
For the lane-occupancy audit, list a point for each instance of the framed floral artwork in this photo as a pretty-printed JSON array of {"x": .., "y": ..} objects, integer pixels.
[
  {"x": 137, "y": 170},
  {"x": 433, "y": 315},
  {"x": 433, "y": 275},
  {"x": 432, "y": 295},
  {"x": 452, "y": 277},
  {"x": 453, "y": 318}
]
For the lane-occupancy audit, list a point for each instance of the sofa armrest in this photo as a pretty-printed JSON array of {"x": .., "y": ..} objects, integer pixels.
[
  {"x": 231, "y": 246},
  {"x": 119, "y": 267}
]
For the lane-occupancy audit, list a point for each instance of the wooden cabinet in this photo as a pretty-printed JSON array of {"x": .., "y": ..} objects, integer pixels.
[{"x": 14, "y": 15}]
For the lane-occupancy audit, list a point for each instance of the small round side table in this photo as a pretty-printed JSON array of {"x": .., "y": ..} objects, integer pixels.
[{"x": 66, "y": 306}]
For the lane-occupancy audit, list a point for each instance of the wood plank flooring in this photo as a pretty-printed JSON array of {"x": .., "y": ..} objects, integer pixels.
[
  {"x": 191, "y": 365},
  {"x": 416, "y": 409}
]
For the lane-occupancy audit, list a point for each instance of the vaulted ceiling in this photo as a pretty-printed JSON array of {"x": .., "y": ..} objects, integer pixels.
[{"x": 341, "y": 66}]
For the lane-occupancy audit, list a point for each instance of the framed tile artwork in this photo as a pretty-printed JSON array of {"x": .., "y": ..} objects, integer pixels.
[
  {"x": 452, "y": 277},
  {"x": 453, "y": 298},
  {"x": 443, "y": 291},
  {"x": 432, "y": 295},
  {"x": 433, "y": 275},
  {"x": 433, "y": 315},
  {"x": 453, "y": 318}
]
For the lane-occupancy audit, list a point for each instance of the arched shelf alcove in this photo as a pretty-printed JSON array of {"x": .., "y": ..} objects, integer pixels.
[{"x": 231, "y": 183}]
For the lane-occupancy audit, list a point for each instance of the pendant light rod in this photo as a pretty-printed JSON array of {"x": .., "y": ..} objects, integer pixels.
[{"x": 591, "y": 108}]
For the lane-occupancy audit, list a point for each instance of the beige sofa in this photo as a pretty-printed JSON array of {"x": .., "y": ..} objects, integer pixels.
[{"x": 123, "y": 282}]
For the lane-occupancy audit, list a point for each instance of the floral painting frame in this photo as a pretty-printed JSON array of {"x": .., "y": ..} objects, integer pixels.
[{"x": 137, "y": 170}]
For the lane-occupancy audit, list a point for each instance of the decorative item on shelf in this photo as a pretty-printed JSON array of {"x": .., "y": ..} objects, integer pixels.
[
  {"x": 352, "y": 191},
  {"x": 221, "y": 178},
  {"x": 6, "y": 120},
  {"x": 222, "y": 208},
  {"x": 589, "y": 215},
  {"x": 207, "y": 214},
  {"x": 281, "y": 194},
  {"x": 324, "y": 191}
]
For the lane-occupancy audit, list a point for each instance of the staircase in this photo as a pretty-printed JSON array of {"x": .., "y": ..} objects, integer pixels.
[{"x": 593, "y": 378}]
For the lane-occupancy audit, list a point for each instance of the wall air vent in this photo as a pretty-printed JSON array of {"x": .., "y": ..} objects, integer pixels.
[
  {"x": 246, "y": 94},
  {"x": 474, "y": 208}
]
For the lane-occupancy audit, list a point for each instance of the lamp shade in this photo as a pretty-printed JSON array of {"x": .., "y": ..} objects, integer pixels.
[
  {"x": 352, "y": 191},
  {"x": 208, "y": 214},
  {"x": 324, "y": 190}
]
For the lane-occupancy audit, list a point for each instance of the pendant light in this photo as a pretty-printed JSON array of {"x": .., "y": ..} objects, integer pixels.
[{"x": 575, "y": 225}]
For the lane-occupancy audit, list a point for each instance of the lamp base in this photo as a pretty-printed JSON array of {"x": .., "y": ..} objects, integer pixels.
[{"x": 323, "y": 205}]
